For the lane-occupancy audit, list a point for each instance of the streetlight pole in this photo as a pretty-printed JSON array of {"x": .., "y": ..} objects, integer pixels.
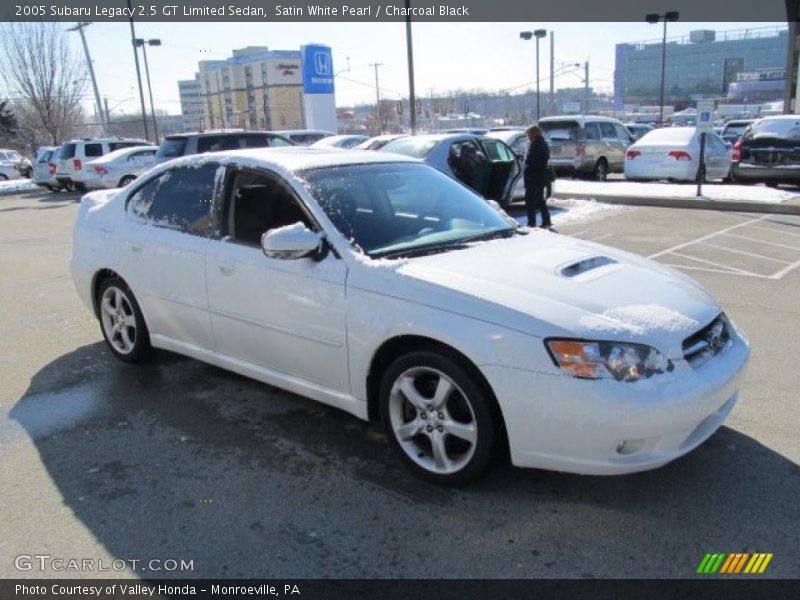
[
  {"x": 143, "y": 44},
  {"x": 653, "y": 18},
  {"x": 138, "y": 71},
  {"x": 378, "y": 98},
  {"x": 538, "y": 34},
  {"x": 412, "y": 96}
]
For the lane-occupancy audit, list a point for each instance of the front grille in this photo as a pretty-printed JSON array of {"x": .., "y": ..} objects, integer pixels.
[{"x": 708, "y": 342}]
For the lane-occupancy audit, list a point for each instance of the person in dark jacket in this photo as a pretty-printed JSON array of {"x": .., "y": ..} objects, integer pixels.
[{"x": 536, "y": 176}]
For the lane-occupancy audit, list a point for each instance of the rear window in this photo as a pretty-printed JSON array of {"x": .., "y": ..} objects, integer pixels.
[
  {"x": 67, "y": 151},
  {"x": 119, "y": 145},
  {"x": 669, "y": 135},
  {"x": 91, "y": 150},
  {"x": 171, "y": 147},
  {"x": 560, "y": 130},
  {"x": 783, "y": 128},
  {"x": 413, "y": 147}
]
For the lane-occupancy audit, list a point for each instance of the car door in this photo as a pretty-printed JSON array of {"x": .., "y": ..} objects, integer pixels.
[
  {"x": 284, "y": 315},
  {"x": 717, "y": 157},
  {"x": 167, "y": 238},
  {"x": 624, "y": 139},
  {"x": 506, "y": 169}
]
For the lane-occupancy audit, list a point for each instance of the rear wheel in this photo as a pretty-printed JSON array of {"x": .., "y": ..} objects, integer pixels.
[
  {"x": 122, "y": 322},
  {"x": 600, "y": 171},
  {"x": 3, "y": 177},
  {"x": 438, "y": 417},
  {"x": 127, "y": 179}
]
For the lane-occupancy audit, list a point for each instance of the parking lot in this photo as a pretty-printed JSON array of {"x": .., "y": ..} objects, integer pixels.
[{"x": 178, "y": 460}]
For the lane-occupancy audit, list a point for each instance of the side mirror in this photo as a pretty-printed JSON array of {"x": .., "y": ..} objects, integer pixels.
[{"x": 292, "y": 242}]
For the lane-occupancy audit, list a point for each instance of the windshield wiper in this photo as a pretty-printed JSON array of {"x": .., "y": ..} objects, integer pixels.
[
  {"x": 421, "y": 250},
  {"x": 489, "y": 235}
]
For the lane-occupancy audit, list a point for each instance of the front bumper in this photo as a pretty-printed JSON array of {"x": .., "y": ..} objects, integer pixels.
[{"x": 605, "y": 427}]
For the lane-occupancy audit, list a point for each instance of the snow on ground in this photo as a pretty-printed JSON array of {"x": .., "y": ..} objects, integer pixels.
[
  {"x": 574, "y": 211},
  {"x": 753, "y": 193},
  {"x": 17, "y": 185}
]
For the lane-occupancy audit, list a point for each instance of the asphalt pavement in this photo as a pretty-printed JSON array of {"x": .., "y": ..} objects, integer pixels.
[{"x": 178, "y": 460}]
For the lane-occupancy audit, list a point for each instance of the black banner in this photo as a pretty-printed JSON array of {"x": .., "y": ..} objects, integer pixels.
[{"x": 390, "y": 10}]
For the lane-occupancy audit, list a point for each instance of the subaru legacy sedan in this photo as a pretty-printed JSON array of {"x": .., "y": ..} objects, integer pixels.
[{"x": 376, "y": 284}]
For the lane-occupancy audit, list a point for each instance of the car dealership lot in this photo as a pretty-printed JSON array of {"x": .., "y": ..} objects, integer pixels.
[{"x": 180, "y": 460}]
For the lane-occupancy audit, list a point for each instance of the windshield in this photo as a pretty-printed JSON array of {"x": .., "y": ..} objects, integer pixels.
[
  {"x": 414, "y": 147},
  {"x": 401, "y": 209}
]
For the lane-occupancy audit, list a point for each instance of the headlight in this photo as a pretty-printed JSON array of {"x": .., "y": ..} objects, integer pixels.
[{"x": 597, "y": 360}]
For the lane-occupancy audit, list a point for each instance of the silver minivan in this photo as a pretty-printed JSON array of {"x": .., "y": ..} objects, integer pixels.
[{"x": 586, "y": 145}]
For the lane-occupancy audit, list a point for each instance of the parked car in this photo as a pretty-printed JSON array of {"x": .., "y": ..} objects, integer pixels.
[
  {"x": 74, "y": 154},
  {"x": 305, "y": 137},
  {"x": 673, "y": 153},
  {"x": 586, "y": 146},
  {"x": 472, "y": 130},
  {"x": 513, "y": 138},
  {"x": 733, "y": 130},
  {"x": 769, "y": 152},
  {"x": 447, "y": 152},
  {"x": 23, "y": 166},
  {"x": 118, "y": 168},
  {"x": 184, "y": 144},
  {"x": 344, "y": 142},
  {"x": 379, "y": 141},
  {"x": 637, "y": 130},
  {"x": 388, "y": 290},
  {"x": 8, "y": 171},
  {"x": 44, "y": 169}
]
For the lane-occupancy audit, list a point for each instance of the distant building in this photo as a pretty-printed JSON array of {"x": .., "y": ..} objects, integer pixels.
[
  {"x": 703, "y": 64},
  {"x": 191, "y": 104}
]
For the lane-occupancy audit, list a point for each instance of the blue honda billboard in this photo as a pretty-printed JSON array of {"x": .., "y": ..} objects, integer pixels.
[{"x": 317, "y": 69}]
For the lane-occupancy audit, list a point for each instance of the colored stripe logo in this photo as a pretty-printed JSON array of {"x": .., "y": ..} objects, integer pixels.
[{"x": 734, "y": 563}]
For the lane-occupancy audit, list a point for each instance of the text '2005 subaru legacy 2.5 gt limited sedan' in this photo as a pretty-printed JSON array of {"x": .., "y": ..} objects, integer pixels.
[{"x": 376, "y": 284}]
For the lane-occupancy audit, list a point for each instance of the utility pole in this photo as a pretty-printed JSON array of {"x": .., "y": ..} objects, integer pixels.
[
  {"x": 79, "y": 28},
  {"x": 586, "y": 85},
  {"x": 108, "y": 115},
  {"x": 138, "y": 71},
  {"x": 378, "y": 98},
  {"x": 412, "y": 97},
  {"x": 552, "y": 73}
]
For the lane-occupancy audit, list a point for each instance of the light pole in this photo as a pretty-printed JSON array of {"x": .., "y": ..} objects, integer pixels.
[
  {"x": 653, "y": 18},
  {"x": 538, "y": 34},
  {"x": 378, "y": 98},
  {"x": 138, "y": 72},
  {"x": 140, "y": 43}
]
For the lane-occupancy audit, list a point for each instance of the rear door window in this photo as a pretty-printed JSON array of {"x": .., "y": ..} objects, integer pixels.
[
  {"x": 67, "y": 151},
  {"x": 607, "y": 131},
  {"x": 592, "y": 131},
  {"x": 178, "y": 199},
  {"x": 622, "y": 133},
  {"x": 217, "y": 143},
  {"x": 172, "y": 147},
  {"x": 92, "y": 150}
]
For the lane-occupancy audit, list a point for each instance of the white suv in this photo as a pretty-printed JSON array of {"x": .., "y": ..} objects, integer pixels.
[{"x": 72, "y": 156}]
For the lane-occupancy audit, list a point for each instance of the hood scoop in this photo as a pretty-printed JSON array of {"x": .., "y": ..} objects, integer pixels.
[{"x": 585, "y": 265}]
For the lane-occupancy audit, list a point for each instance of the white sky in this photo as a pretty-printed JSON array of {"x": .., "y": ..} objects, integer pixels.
[{"x": 447, "y": 56}]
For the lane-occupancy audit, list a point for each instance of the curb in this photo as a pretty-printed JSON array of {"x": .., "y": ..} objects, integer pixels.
[{"x": 690, "y": 203}]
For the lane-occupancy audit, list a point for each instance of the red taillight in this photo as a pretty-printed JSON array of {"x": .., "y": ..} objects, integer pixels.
[
  {"x": 632, "y": 154},
  {"x": 679, "y": 155},
  {"x": 737, "y": 151},
  {"x": 52, "y": 169},
  {"x": 101, "y": 170},
  {"x": 580, "y": 149},
  {"x": 76, "y": 164}
]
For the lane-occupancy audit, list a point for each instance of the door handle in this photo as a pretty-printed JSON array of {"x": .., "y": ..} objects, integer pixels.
[{"x": 227, "y": 270}]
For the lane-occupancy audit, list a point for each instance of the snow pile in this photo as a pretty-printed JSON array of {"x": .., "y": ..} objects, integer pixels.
[
  {"x": 639, "y": 320},
  {"x": 752, "y": 193},
  {"x": 17, "y": 185}
]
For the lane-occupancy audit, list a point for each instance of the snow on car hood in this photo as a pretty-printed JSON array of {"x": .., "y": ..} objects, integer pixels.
[{"x": 546, "y": 284}]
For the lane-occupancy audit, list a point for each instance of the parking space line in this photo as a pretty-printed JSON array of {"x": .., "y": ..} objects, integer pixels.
[
  {"x": 752, "y": 254},
  {"x": 599, "y": 237},
  {"x": 749, "y": 239},
  {"x": 707, "y": 237},
  {"x": 786, "y": 270},
  {"x": 723, "y": 268},
  {"x": 709, "y": 270},
  {"x": 774, "y": 230}
]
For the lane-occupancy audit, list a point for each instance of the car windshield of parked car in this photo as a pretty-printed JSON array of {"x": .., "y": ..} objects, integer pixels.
[
  {"x": 413, "y": 147},
  {"x": 737, "y": 129},
  {"x": 783, "y": 128},
  {"x": 403, "y": 209}
]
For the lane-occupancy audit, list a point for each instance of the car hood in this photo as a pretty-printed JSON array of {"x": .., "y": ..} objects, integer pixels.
[{"x": 547, "y": 285}]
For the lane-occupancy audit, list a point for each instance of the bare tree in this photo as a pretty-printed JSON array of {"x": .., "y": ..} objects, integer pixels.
[{"x": 46, "y": 78}]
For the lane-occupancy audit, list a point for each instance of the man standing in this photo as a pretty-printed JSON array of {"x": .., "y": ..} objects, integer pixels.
[{"x": 536, "y": 176}]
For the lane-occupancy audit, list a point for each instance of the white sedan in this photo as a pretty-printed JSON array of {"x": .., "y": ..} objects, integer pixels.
[
  {"x": 378, "y": 285},
  {"x": 118, "y": 168},
  {"x": 673, "y": 153}
]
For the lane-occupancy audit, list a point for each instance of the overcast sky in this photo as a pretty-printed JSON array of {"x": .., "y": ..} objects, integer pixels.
[{"x": 447, "y": 56}]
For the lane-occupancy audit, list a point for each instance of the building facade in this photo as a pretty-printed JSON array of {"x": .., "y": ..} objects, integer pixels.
[
  {"x": 191, "y": 104},
  {"x": 701, "y": 65},
  {"x": 257, "y": 88}
]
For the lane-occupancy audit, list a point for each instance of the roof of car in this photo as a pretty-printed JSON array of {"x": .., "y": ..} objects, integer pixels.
[
  {"x": 581, "y": 118},
  {"x": 294, "y": 158}
]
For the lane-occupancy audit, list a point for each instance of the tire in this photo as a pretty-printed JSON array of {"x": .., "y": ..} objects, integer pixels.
[
  {"x": 600, "y": 171},
  {"x": 3, "y": 177},
  {"x": 122, "y": 322},
  {"x": 438, "y": 417},
  {"x": 80, "y": 187},
  {"x": 126, "y": 180},
  {"x": 70, "y": 186}
]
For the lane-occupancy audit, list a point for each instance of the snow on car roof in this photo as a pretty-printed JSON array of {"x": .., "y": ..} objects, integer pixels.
[{"x": 669, "y": 135}]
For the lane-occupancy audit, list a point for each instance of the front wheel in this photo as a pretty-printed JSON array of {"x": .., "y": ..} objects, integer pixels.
[
  {"x": 600, "y": 171},
  {"x": 438, "y": 417},
  {"x": 122, "y": 322}
]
